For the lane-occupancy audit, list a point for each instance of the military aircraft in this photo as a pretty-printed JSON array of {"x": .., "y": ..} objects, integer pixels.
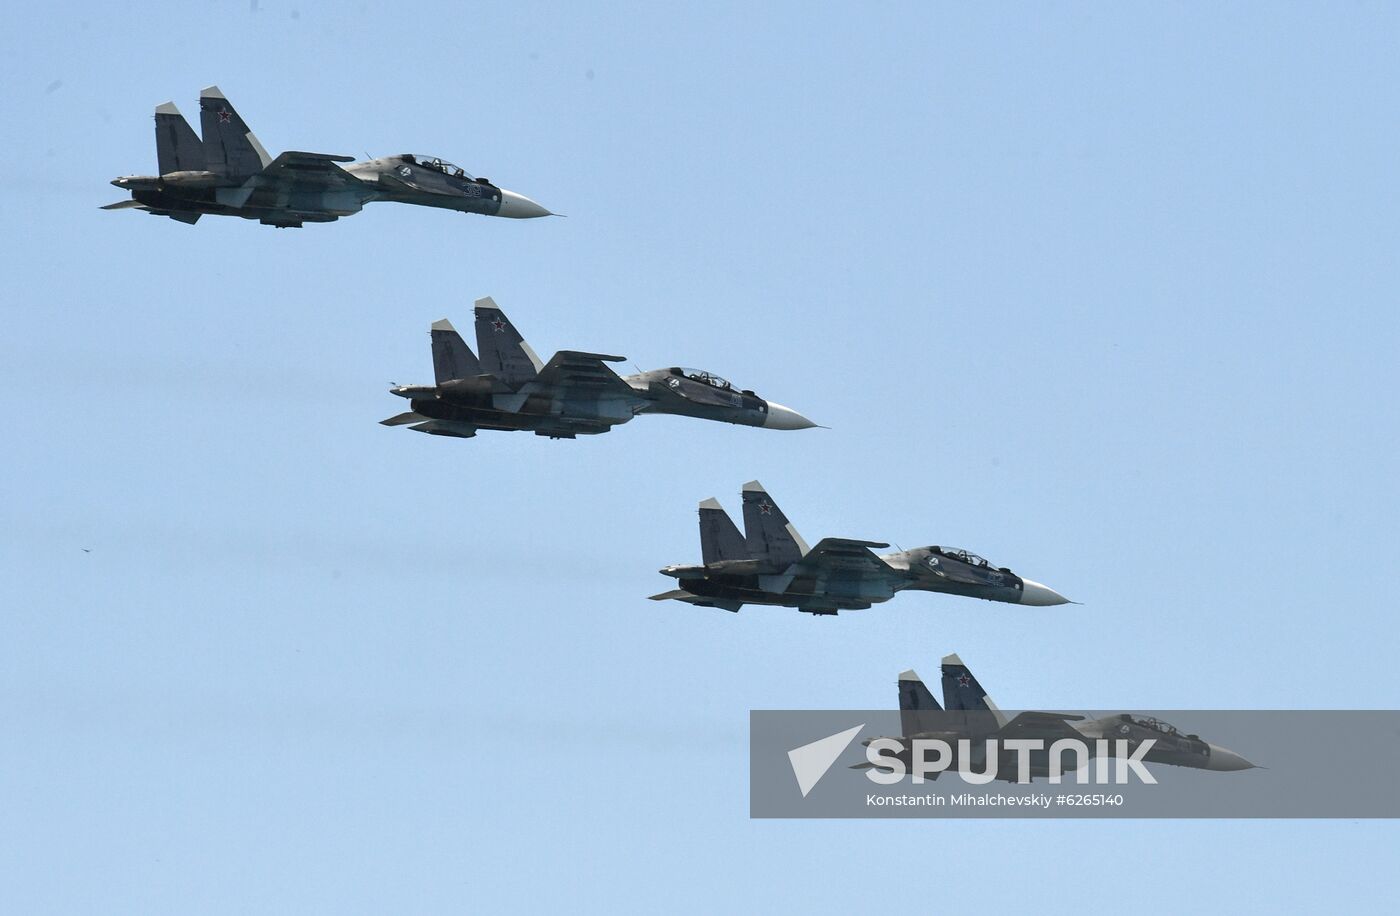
[
  {"x": 770, "y": 564},
  {"x": 228, "y": 173},
  {"x": 967, "y": 712},
  {"x": 505, "y": 386}
]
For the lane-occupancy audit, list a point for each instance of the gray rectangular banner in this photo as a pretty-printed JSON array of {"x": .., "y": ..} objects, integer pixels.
[{"x": 1207, "y": 763}]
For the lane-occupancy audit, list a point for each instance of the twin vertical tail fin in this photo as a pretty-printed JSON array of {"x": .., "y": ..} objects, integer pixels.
[
  {"x": 720, "y": 539},
  {"x": 504, "y": 353},
  {"x": 962, "y": 692},
  {"x": 178, "y": 148},
  {"x": 767, "y": 532},
  {"x": 452, "y": 358},
  {"x": 918, "y": 710},
  {"x": 230, "y": 149}
]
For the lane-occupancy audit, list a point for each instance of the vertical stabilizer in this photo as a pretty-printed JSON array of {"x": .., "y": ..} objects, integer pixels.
[
  {"x": 230, "y": 148},
  {"x": 767, "y": 531},
  {"x": 452, "y": 358},
  {"x": 962, "y": 692},
  {"x": 504, "y": 353},
  {"x": 177, "y": 145},
  {"x": 719, "y": 537}
]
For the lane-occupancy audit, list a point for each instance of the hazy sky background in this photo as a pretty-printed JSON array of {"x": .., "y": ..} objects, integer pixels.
[{"x": 1105, "y": 293}]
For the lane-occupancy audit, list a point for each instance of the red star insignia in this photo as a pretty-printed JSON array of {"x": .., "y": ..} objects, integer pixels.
[
  {"x": 964, "y": 680},
  {"x": 498, "y": 324},
  {"x": 765, "y": 507},
  {"x": 224, "y": 114}
]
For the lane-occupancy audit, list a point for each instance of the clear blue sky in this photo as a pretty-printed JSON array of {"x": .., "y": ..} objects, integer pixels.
[{"x": 1105, "y": 293}]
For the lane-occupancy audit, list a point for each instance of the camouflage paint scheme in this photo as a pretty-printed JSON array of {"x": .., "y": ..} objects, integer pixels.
[
  {"x": 228, "y": 173},
  {"x": 770, "y": 564},
  {"x": 968, "y": 713},
  {"x": 505, "y": 386}
]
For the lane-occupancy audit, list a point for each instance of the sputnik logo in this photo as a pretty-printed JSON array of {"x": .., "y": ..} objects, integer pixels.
[{"x": 810, "y": 762}]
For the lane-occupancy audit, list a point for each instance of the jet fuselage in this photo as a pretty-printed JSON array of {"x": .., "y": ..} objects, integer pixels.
[{"x": 928, "y": 569}]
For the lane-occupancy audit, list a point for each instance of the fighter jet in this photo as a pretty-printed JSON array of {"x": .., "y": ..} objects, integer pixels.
[
  {"x": 228, "y": 173},
  {"x": 967, "y": 712},
  {"x": 505, "y": 386},
  {"x": 770, "y": 564}
]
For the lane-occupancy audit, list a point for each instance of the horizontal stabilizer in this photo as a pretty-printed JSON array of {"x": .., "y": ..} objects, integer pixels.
[
  {"x": 875, "y": 766},
  {"x": 675, "y": 594},
  {"x": 404, "y": 419},
  {"x": 126, "y": 205},
  {"x": 681, "y": 594}
]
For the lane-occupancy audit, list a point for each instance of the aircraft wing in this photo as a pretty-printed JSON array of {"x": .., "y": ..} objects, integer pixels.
[
  {"x": 292, "y": 169},
  {"x": 404, "y": 419},
  {"x": 841, "y": 556},
  {"x": 1048, "y": 726},
  {"x": 184, "y": 216},
  {"x": 576, "y": 374}
]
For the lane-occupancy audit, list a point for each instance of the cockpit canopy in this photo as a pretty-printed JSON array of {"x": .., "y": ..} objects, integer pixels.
[
  {"x": 438, "y": 165},
  {"x": 700, "y": 375},
  {"x": 957, "y": 553},
  {"x": 1156, "y": 725}
]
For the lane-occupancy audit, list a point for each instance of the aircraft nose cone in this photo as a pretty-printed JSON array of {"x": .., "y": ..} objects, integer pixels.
[
  {"x": 1225, "y": 759},
  {"x": 518, "y": 206},
  {"x": 780, "y": 417},
  {"x": 1037, "y": 595}
]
